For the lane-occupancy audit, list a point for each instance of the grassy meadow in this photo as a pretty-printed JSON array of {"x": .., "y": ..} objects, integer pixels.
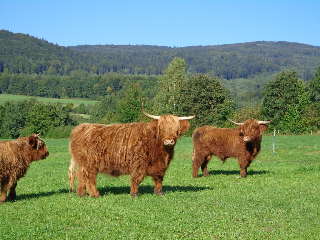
[
  {"x": 76, "y": 102},
  {"x": 279, "y": 199}
]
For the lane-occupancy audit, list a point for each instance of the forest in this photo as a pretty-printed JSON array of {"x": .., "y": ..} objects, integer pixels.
[{"x": 277, "y": 81}]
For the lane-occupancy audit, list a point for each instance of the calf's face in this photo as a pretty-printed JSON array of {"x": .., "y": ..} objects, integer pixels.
[{"x": 38, "y": 147}]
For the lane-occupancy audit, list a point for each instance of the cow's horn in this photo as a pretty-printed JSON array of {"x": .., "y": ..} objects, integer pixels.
[
  {"x": 264, "y": 122},
  {"x": 239, "y": 124},
  {"x": 149, "y": 115},
  {"x": 187, "y": 118}
]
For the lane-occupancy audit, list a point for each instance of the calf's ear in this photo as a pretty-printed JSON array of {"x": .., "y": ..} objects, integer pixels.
[
  {"x": 32, "y": 141},
  {"x": 263, "y": 127},
  {"x": 184, "y": 126}
]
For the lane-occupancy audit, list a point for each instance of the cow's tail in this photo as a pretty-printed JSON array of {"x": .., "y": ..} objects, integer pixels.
[{"x": 72, "y": 175}]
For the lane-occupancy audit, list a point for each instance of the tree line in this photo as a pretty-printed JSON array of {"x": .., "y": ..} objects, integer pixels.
[
  {"x": 21, "y": 53},
  {"x": 293, "y": 105}
]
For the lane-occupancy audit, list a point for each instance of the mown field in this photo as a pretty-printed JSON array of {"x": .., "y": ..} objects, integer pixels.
[
  {"x": 76, "y": 102},
  {"x": 279, "y": 199}
]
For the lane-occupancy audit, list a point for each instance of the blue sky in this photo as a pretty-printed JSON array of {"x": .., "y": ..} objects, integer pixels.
[{"x": 164, "y": 23}]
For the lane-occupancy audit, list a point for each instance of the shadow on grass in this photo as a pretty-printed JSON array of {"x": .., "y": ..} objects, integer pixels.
[
  {"x": 38, "y": 195},
  {"x": 234, "y": 172},
  {"x": 113, "y": 190},
  {"x": 149, "y": 189}
]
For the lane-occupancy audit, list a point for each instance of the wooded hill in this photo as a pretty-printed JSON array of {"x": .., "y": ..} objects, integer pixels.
[{"x": 21, "y": 53}]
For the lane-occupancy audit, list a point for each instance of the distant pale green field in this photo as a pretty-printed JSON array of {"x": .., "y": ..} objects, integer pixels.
[
  {"x": 76, "y": 102},
  {"x": 279, "y": 199}
]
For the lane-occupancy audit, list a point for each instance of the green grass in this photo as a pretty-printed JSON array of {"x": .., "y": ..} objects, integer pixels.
[
  {"x": 279, "y": 199},
  {"x": 76, "y": 102}
]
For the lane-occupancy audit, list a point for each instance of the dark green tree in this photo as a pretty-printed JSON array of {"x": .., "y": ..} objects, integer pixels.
[
  {"x": 168, "y": 97},
  {"x": 311, "y": 115},
  {"x": 206, "y": 96},
  {"x": 104, "y": 111},
  {"x": 314, "y": 86},
  {"x": 129, "y": 107},
  {"x": 285, "y": 98},
  {"x": 44, "y": 116}
]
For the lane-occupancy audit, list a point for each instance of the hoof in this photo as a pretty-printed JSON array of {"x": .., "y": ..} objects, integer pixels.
[
  {"x": 82, "y": 194},
  {"x": 159, "y": 193},
  {"x": 96, "y": 196},
  {"x": 134, "y": 195},
  {"x": 10, "y": 198}
]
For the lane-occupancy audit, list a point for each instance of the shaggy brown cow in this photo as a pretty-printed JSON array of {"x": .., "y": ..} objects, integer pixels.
[
  {"x": 15, "y": 158},
  {"x": 138, "y": 149},
  {"x": 242, "y": 143}
]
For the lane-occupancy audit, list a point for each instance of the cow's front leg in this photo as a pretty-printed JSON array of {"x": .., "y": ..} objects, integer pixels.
[
  {"x": 243, "y": 172},
  {"x": 243, "y": 163},
  {"x": 12, "y": 193},
  {"x": 158, "y": 184},
  {"x": 136, "y": 179}
]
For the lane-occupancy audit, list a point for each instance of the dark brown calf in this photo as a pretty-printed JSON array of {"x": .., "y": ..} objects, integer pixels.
[
  {"x": 242, "y": 143},
  {"x": 15, "y": 158}
]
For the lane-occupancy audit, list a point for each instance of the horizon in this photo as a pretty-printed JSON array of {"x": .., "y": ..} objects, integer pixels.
[
  {"x": 107, "y": 44},
  {"x": 167, "y": 23}
]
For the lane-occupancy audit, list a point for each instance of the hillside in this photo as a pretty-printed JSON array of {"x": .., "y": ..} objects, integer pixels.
[
  {"x": 21, "y": 53},
  {"x": 230, "y": 61}
]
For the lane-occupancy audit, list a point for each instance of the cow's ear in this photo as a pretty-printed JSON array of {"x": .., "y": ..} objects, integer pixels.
[
  {"x": 32, "y": 141},
  {"x": 184, "y": 126},
  {"x": 263, "y": 127},
  {"x": 153, "y": 126}
]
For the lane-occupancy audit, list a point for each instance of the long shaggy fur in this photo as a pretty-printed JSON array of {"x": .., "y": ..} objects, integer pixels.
[
  {"x": 15, "y": 158},
  {"x": 138, "y": 149},
  {"x": 242, "y": 143}
]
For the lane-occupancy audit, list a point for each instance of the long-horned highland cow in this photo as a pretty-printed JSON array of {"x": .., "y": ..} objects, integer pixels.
[
  {"x": 242, "y": 143},
  {"x": 15, "y": 159},
  {"x": 135, "y": 149}
]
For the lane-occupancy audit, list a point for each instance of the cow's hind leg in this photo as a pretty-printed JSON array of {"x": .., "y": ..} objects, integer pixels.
[
  {"x": 92, "y": 183},
  {"x": 199, "y": 160},
  {"x": 204, "y": 166},
  {"x": 81, "y": 188},
  {"x": 136, "y": 179},
  {"x": 195, "y": 164},
  {"x": 4, "y": 188}
]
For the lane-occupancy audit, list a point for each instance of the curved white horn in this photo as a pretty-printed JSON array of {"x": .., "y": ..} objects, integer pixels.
[
  {"x": 149, "y": 115},
  {"x": 187, "y": 118},
  {"x": 239, "y": 124},
  {"x": 264, "y": 122}
]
